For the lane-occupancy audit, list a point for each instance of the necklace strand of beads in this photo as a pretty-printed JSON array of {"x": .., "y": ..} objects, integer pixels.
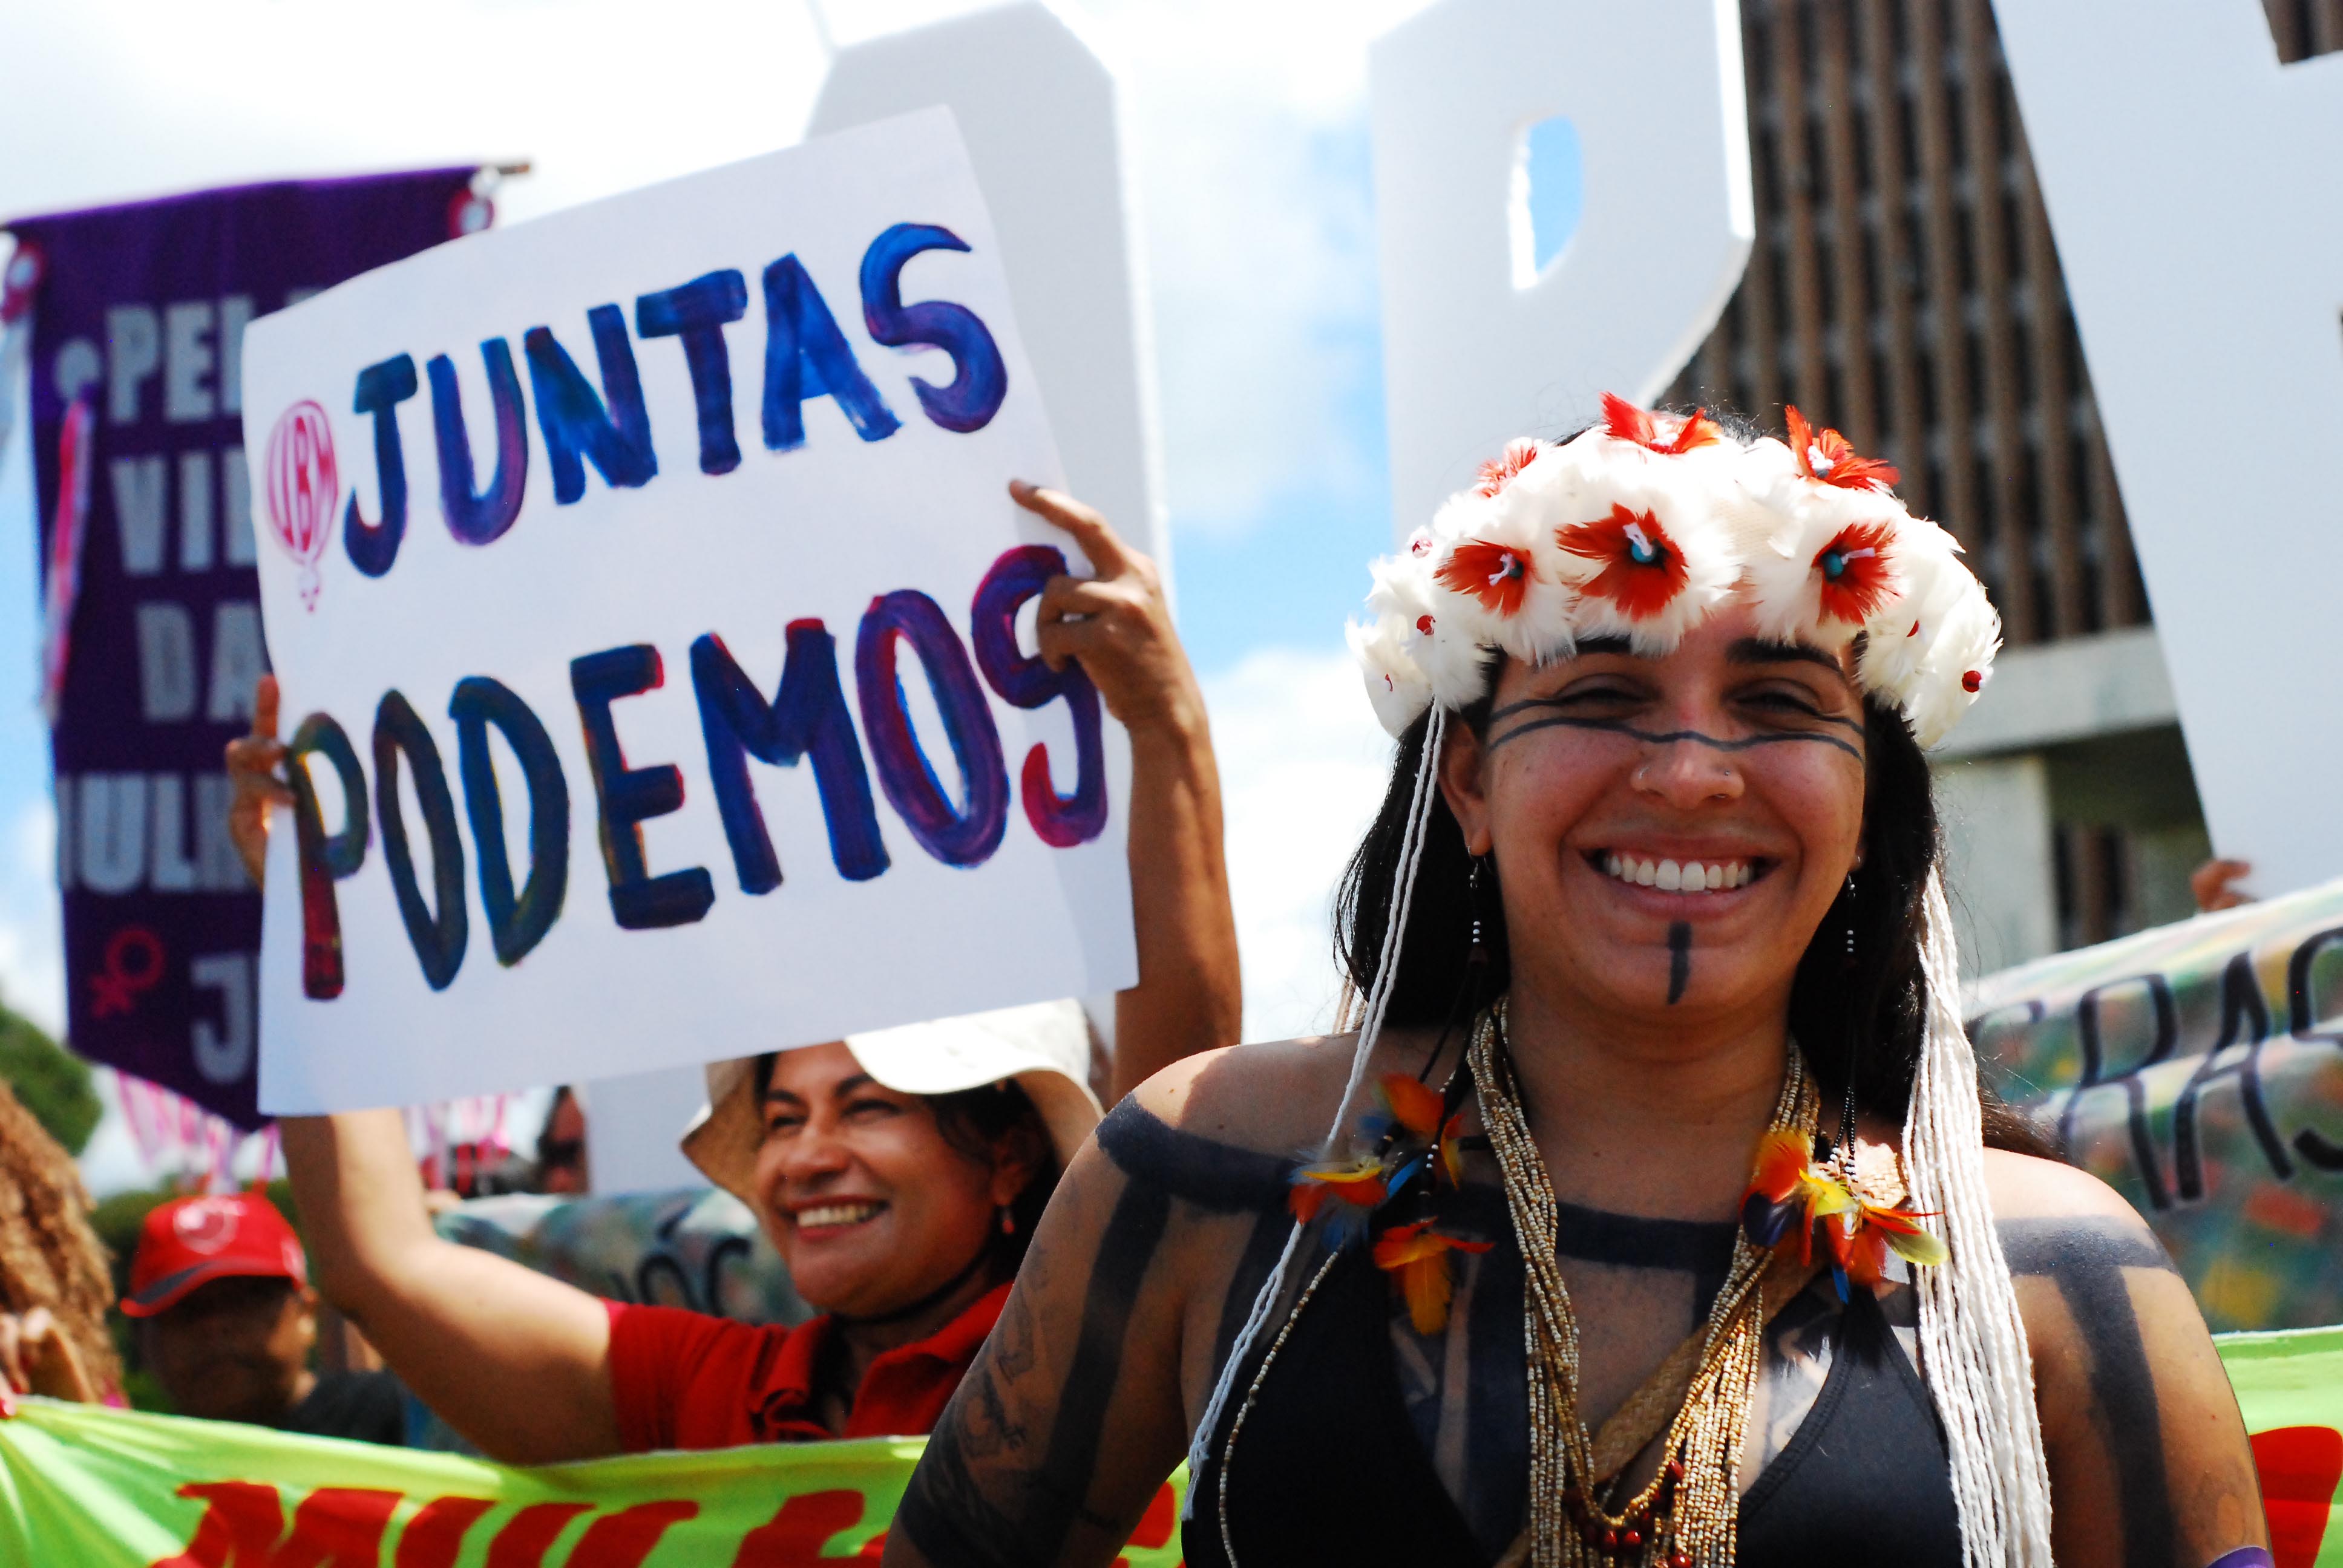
[{"x": 1686, "y": 1514}]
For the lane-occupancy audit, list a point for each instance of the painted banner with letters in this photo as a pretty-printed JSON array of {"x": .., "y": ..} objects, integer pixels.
[
  {"x": 107, "y": 1489},
  {"x": 653, "y": 620},
  {"x": 152, "y": 609},
  {"x": 2196, "y": 1068}
]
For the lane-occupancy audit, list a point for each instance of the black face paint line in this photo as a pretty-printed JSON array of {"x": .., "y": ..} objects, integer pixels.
[
  {"x": 1669, "y": 736},
  {"x": 1679, "y": 959},
  {"x": 1531, "y": 704}
]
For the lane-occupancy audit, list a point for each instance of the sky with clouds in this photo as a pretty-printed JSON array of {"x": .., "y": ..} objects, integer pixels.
[{"x": 1249, "y": 149}]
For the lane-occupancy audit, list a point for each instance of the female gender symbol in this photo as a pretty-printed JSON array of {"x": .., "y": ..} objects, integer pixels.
[
  {"x": 134, "y": 963},
  {"x": 303, "y": 487}
]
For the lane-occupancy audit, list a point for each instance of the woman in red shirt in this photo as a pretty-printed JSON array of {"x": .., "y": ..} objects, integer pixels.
[
  {"x": 899, "y": 1190},
  {"x": 904, "y": 1213}
]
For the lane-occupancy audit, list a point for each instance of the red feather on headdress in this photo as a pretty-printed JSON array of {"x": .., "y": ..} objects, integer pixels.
[
  {"x": 1858, "y": 572},
  {"x": 1497, "y": 575},
  {"x": 1623, "y": 421},
  {"x": 1519, "y": 454},
  {"x": 1643, "y": 569},
  {"x": 1825, "y": 457}
]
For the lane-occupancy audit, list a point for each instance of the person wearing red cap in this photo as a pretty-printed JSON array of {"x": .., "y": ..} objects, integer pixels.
[{"x": 220, "y": 1288}]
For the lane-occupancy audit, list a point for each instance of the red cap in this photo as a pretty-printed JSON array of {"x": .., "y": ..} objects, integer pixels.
[{"x": 191, "y": 1241}]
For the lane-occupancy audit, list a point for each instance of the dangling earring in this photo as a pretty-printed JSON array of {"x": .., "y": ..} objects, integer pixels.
[
  {"x": 1850, "y": 919},
  {"x": 1477, "y": 956},
  {"x": 1007, "y": 1221}
]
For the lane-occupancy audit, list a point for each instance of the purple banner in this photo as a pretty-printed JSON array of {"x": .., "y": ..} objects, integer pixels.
[{"x": 139, "y": 323}]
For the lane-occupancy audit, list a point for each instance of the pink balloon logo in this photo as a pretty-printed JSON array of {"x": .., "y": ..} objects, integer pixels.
[{"x": 303, "y": 489}]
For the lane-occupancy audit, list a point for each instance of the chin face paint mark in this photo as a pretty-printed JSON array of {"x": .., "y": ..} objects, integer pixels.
[
  {"x": 2244, "y": 1557},
  {"x": 1679, "y": 959}
]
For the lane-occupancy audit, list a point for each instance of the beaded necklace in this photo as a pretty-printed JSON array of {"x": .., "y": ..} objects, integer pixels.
[{"x": 1687, "y": 1515}]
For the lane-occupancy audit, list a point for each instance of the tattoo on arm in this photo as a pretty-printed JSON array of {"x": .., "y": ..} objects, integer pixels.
[
  {"x": 1024, "y": 1511},
  {"x": 2085, "y": 1260}
]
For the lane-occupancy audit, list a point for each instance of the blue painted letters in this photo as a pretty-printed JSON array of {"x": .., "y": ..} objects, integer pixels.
[
  {"x": 476, "y": 518},
  {"x": 980, "y": 379},
  {"x": 578, "y": 428},
  {"x": 515, "y": 924},
  {"x": 957, "y": 835},
  {"x": 630, "y": 796},
  {"x": 807, "y": 715},
  {"x": 381, "y": 389},
  {"x": 1026, "y": 681},
  {"x": 326, "y": 858},
  {"x": 438, "y": 939},
  {"x": 697, "y": 312},
  {"x": 806, "y": 356}
]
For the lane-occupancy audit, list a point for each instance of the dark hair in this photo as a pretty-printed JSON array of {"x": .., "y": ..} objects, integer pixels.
[
  {"x": 1866, "y": 1018},
  {"x": 973, "y": 1121}
]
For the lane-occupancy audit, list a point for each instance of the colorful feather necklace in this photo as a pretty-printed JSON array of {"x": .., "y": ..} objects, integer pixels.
[
  {"x": 1390, "y": 1195},
  {"x": 1849, "y": 1193}
]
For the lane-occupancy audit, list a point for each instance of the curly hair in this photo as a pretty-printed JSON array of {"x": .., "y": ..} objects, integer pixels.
[{"x": 49, "y": 1256}]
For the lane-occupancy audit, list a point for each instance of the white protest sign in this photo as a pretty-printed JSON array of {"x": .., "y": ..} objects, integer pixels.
[
  {"x": 1473, "y": 352},
  {"x": 2190, "y": 179},
  {"x": 647, "y": 600}
]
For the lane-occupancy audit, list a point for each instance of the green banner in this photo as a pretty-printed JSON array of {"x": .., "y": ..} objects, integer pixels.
[
  {"x": 112, "y": 1489},
  {"x": 2289, "y": 1384}
]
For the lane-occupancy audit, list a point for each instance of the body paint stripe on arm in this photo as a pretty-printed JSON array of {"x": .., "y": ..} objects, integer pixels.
[
  {"x": 1213, "y": 1176},
  {"x": 2086, "y": 1262},
  {"x": 948, "y": 1512}
]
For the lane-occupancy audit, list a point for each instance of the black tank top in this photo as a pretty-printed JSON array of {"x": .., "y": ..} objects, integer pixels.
[{"x": 1327, "y": 1467}]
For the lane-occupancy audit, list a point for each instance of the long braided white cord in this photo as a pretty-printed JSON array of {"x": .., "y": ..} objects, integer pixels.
[
  {"x": 1972, "y": 1340},
  {"x": 1410, "y": 851}
]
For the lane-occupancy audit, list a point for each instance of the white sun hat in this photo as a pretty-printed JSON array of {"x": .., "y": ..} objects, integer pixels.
[{"x": 1045, "y": 1047}]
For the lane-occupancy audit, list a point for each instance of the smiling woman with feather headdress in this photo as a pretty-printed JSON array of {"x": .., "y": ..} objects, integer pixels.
[{"x": 1650, "y": 1209}]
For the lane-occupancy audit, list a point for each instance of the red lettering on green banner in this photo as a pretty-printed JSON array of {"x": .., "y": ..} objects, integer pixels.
[
  {"x": 2301, "y": 1467},
  {"x": 794, "y": 1537},
  {"x": 334, "y": 1527},
  {"x": 622, "y": 1540},
  {"x": 523, "y": 1543},
  {"x": 1158, "y": 1524},
  {"x": 436, "y": 1533}
]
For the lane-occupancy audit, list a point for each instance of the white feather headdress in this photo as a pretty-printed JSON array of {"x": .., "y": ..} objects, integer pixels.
[{"x": 1647, "y": 523}]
